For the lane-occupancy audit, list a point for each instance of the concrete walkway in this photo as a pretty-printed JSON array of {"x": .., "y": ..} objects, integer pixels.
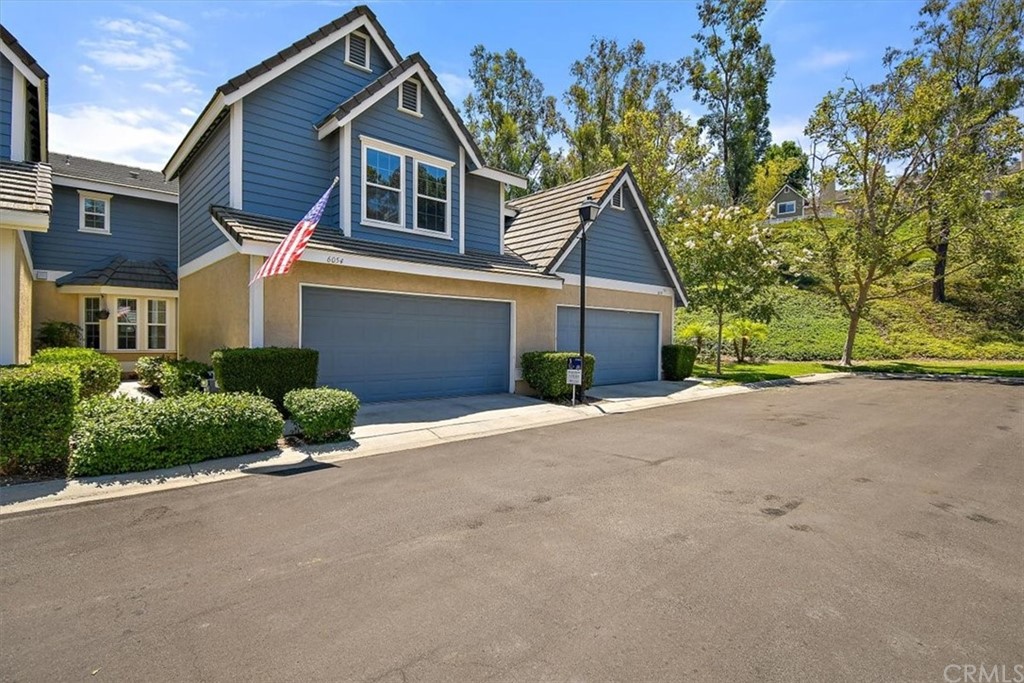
[{"x": 385, "y": 428}]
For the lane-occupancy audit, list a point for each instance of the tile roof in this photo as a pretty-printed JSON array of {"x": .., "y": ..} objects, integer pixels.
[
  {"x": 546, "y": 221},
  {"x": 25, "y": 186},
  {"x": 22, "y": 53},
  {"x": 120, "y": 272},
  {"x": 80, "y": 168},
  {"x": 249, "y": 226}
]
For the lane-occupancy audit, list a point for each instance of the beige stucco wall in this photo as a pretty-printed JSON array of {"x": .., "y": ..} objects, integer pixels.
[
  {"x": 49, "y": 303},
  {"x": 213, "y": 308},
  {"x": 23, "y": 306}
]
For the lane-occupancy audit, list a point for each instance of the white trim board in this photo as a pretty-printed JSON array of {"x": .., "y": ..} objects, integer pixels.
[
  {"x": 21, "y": 66},
  {"x": 127, "y": 292},
  {"x": 616, "y": 285},
  {"x": 256, "y": 325},
  {"x": 19, "y": 124},
  {"x": 206, "y": 118},
  {"x": 33, "y": 221},
  {"x": 113, "y": 189},
  {"x": 235, "y": 146},
  {"x": 26, "y": 252},
  {"x": 216, "y": 254}
]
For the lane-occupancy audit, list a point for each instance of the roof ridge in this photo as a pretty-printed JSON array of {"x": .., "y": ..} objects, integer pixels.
[
  {"x": 101, "y": 161},
  {"x": 565, "y": 186}
]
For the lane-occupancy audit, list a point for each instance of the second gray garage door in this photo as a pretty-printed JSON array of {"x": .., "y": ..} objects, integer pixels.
[
  {"x": 386, "y": 347},
  {"x": 625, "y": 344}
]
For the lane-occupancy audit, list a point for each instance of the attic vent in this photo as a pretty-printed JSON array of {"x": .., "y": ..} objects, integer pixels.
[
  {"x": 358, "y": 52},
  {"x": 409, "y": 97},
  {"x": 134, "y": 174},
  {"x": 617, "y": 201}
]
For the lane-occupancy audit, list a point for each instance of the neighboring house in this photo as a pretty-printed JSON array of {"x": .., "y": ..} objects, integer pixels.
[
  {"x": 788, "y": 204},
  {"x": 25, "y": 191},
  {"x": 411, "y": 287},
  {"x": 109, "y": 260}
]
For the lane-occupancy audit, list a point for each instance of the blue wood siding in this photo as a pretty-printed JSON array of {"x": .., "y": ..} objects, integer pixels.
[
  {"x": 619, "y": 247},
  {"x": 6, "y": 98},
  {"x": 625, "y": 344},
  {"x": 430, "y": 134},
  {"x": 204, "y": 182},
  {"x": 140, "y": 229},
  {"x": 285, "y": 168},
  {"x": 483, "y": 212}
]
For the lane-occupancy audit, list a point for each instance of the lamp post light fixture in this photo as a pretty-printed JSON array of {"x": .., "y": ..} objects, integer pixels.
[{"x": 588, "y": 214}]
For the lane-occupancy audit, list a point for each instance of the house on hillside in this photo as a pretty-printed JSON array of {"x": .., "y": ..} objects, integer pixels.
[
  {"x": 25, "y": 191},
  {"x": 109, "y": 259},
  {"x": 420, "y": 281},
  {"x": 788, "y": 204}
]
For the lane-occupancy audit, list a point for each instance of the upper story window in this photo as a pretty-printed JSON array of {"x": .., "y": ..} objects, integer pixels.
[
  {"x": 432, "y": 198},
  {"x": 383, "y": 187},
  {"x": 784, "y": 208},
  {"x": 617, "y": 199},
  {"x": 409, "y": 97},
  {"x": 357, "y": 51},
  {"x": 94, "y": 212}
]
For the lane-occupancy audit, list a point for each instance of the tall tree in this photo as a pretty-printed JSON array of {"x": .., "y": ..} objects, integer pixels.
[
  {"x": 729, "y": 72},
  {"x": 783, "y": 164},
  {"x": 789, "y": 151},
  {"x": 509, "y": 113}
]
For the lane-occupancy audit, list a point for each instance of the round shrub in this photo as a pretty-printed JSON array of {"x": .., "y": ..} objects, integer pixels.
[
  {"x": 183, "y": 376},
  {"x": 544, "y": 371},
  {"x": 148, "y": 370},
  {"x": 677, "y": 361},
  {"x": 37, "y": 405},
  {"x": 98, "y": 374},
  {"x": 323, "y": 414}
]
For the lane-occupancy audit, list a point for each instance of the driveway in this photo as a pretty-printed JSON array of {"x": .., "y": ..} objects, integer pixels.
[{"x": 861, "y": 529}]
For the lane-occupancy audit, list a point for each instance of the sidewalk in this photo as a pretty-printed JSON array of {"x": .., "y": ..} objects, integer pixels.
[{"x": 385, "y": 428}]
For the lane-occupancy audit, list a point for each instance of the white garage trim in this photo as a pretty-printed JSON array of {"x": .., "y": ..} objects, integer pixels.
[
  {"x": 657, "y": 355},
  {"x": 512, "y": 314},
  {"x": 617, "y": 285}
]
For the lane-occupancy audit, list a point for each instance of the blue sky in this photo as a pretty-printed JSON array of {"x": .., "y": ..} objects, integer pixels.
[{"x": 127, "y": 79}]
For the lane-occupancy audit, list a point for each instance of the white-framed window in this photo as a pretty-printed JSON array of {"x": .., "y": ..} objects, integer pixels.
[
  {"x": 383, "y": 187},
  {"x": 618, "y": 201},
  {"x": 127, "y": 324},
  {"x": 784, "y": 208},
  {"x": 94, "y": 212},
  {"x": 156, "y": 324},
  {"x": 433, "y": 198},
  {"x": 91, "y": 322},
  {"x": 409, "y": 97},
  {"x": 357, "y": 51}
]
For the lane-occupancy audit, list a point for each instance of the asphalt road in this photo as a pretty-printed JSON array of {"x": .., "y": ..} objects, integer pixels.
[{"x": 855, "y": 530}]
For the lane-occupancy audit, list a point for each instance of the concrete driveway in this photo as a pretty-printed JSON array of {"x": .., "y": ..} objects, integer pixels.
[{"x": 862, "y": 529}]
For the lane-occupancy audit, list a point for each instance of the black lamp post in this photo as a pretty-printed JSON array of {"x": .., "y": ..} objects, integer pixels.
[{"x": 588, "y": 214}]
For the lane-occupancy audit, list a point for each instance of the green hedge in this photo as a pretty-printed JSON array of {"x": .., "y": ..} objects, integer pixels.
[
  {"x": 323, "y": 414},
  {"x": 182, "y": 376},
  {"x": 677, "y": 361},
  {"x": 97, "y": 374},
  {"x": 270, "y": 372},
  {"x": 37, "y": 406},
  {"x": 544, "y": 371},
  {"x": 147, "y": 368},
  {"x": 119, "y": 434}
]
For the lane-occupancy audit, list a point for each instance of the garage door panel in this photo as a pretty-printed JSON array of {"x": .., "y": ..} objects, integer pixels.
[
  {"x": 626, "y": 344},
  {"x": 394, "y": 346}
]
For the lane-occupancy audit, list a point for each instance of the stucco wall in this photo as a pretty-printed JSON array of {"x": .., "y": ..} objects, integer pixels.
[
  {"x": 23, "y": 306},
  {"x": 49, "y": 303},
  {"x": 213, "y": 308}
]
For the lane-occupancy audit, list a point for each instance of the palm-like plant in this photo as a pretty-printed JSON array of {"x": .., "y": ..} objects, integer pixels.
[
  {"x": 742, "y": 333},
  {"x": 696, "y": 331}
]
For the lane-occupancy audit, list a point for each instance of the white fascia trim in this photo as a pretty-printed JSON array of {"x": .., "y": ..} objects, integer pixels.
[
  {"x": 501, "y": 176},
  {"x": 33, "y": 221},
  {"x": 19, "y": 126},
  {"x": 206, "y": 119},
  {"x": 462, "y": 200},
  {"x": 220, "y": 253},
  {"x": 49, "y": 275},
  {"x": 617, "y": 285},
  {"x": 235, "y": 157},
  {"x": 361, "y": 24},
  {"x": 26, "y": 252},
  {"x": 336, "y": 258},
  {"x": 133, "y": 292},
  {"x": 114, "y": 189},
  {"x": 345, "y": 157},
  {"x": 255, "y": 303},
  {"x": 20, "y": 65}
]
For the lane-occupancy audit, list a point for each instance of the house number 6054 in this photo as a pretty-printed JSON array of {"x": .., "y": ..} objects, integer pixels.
[{"x": 335, "y": 259}]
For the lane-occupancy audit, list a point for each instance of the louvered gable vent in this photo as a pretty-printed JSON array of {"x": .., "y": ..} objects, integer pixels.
[
  {"x": 410, "y": 96},
  {"x": 358, "y": 50},
  {"x": 617, "y": 198}
]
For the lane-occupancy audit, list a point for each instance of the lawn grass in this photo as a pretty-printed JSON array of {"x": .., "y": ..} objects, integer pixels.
[{"x": 743, "y": 373}]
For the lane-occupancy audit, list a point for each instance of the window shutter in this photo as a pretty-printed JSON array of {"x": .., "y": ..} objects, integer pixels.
[
  {"x": 411, "y": 96},
  {"x": 358, "y": 50}
]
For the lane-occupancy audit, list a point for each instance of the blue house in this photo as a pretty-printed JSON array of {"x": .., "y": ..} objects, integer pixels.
[{"x": 420, "y": 281}]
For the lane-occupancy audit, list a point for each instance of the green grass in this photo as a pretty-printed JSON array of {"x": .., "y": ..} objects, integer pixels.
[
  {"x": 758, "y": 372},
  {"x": 743, "y": 373}
]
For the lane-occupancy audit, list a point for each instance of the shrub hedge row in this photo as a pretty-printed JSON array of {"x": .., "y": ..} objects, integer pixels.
[
  {"x": 544, "y": 371},
  {"x": 323, "y": 414},
  {"x": 677, "y": 361},
  {"x": 172, "y": 377},
  {"x": 98, "y": 374},
  {"x": 119, "y": 434},
  {"x": 37, "y": 406},
  {"x": 270, "y": 371}
]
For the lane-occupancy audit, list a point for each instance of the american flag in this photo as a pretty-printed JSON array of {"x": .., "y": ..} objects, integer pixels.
[{"x": 291, "y": 248}]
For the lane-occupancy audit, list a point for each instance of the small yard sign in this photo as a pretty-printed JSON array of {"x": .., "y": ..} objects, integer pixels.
[{"x": 574, "y": 372}]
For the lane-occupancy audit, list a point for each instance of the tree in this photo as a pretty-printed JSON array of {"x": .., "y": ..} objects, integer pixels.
[
  {"x": 770, "y": 176},
  {"x": 726, "y": 260},
  {"x": 742, "y": 333},
  {"x": 729, "y": 72},
  {"x": 509, "y": 113},
  {"x": 696, "y": 331},
  {"x": 796, "y": 158}
]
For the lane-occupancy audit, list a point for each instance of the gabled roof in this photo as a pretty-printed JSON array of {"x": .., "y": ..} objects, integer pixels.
[
  {"x": 791, "y": 189},
  {"x": 25, "y": 186},
  {"x": 27, "y": 60},
  {"x": 236, "y": 88},
  {"x": 80, "y": 168},
  {"x": 415, "y": 66},
  {"x": 120, "y": 272},
  {"x": 245, "y": 227}
]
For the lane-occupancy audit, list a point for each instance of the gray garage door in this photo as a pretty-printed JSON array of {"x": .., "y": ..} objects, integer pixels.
[
  {"x": 386, "y": 347},
  {"x": 624, "y": 344}
]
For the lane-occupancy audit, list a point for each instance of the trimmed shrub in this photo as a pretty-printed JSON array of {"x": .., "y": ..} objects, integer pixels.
[
  {"x": 55, "y": 333},
  {"x": 323, "y": 414},
  {"x": 677, "y": 361},
  {"x": 183, "y": 376},
  {"x": 270, "y": 371},
  {"x": 119, "y": 434},
  {"x": 37, "y": 406},
  {"x": 148, "y": 370},
  {"x": 544, "y": 371},
  {"x": 97, "y": 374}
]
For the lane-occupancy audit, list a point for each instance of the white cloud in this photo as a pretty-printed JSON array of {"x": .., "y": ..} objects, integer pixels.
[
  {"x": 136, "y": 137},
  {"x": 788, "y": 128},
  {"x": 154, "y": 46},
  {"x": 456, "y": 86},
  {"x": 821, "y": 60},
  {"x": 185, "y": 111}
]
